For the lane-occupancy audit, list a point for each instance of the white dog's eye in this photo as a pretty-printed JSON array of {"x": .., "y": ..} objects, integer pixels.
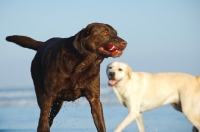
[
  {"x": 110, "y": 67},
  {"x": 119, "y": 69}
]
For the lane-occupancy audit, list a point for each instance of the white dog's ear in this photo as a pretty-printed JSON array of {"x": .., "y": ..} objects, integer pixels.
[{"x": 129, "y": 71}]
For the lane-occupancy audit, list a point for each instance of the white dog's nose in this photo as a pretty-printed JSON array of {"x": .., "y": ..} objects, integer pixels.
[{"x": 112, "y": 74}]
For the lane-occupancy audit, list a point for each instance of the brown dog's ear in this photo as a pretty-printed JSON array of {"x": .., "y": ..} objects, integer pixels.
[
  {"x": 78, "y": 41},
  {"x": 129, "y": 71},
  {"x": 79, "y": 37}
]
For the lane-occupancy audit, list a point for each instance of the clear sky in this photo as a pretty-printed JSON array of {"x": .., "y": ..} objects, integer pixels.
[{"x": 162, "y": 36}]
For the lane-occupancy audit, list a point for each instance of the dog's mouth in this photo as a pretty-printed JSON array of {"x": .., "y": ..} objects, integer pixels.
[
  {"x": 111, "y": 50},
  {"x": 112, "y": 82}
]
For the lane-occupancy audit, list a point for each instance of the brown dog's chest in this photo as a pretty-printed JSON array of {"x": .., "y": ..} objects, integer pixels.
[{"x": 78, "y": 84}]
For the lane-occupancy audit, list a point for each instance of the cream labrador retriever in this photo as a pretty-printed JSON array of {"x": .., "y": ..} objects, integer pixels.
[{"x": 141, "y": 92}]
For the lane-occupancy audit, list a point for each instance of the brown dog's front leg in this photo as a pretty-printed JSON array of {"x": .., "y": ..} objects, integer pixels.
[{"x": 97, "y": 113}]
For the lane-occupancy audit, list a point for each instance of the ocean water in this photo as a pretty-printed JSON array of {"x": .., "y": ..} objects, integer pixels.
[{"x": 19, "y": 113}]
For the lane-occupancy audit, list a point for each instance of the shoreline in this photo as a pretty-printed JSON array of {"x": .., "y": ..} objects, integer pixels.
[{"x": 73, "y": 118}]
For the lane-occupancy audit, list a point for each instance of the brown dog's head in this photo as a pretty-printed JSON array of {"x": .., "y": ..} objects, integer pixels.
[{"x": 100, "y": 39}]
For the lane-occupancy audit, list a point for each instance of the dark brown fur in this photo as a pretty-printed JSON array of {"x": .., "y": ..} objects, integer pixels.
[{"x": 65, "y": 69}]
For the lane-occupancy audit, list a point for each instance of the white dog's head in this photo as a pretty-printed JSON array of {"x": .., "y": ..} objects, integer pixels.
[{"x": 118, "y": 71}]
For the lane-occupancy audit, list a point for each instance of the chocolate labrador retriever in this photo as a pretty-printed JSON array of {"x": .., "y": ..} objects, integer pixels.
[{"x": 65, "y": 69}]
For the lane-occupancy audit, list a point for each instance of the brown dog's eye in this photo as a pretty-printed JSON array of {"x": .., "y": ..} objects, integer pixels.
[
  {"x": 105, "y": 33},
  {"x": 119, "y": 69}
]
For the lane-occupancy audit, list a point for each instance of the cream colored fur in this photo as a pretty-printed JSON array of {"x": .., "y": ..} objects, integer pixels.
[{"x": 140, "y": 92}]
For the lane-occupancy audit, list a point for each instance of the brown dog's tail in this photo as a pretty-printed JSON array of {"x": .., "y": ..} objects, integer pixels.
[{"x": 24, "y": 41}]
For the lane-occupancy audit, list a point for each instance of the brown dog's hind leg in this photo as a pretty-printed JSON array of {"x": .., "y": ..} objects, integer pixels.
[
  {"x": 45, "y": 103},
  {"x": 57, "y": 104}
]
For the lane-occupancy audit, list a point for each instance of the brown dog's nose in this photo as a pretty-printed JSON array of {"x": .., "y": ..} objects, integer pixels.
[{"x": 123, "y": 44}]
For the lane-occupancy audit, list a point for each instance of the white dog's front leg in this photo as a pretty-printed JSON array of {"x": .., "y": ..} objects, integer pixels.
[
  {"x": 140, "y": 123},
  {"x": 130, "y": 117}
]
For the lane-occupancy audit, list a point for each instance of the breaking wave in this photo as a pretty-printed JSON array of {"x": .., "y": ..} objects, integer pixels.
[{"x": 27, "y": 97}]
